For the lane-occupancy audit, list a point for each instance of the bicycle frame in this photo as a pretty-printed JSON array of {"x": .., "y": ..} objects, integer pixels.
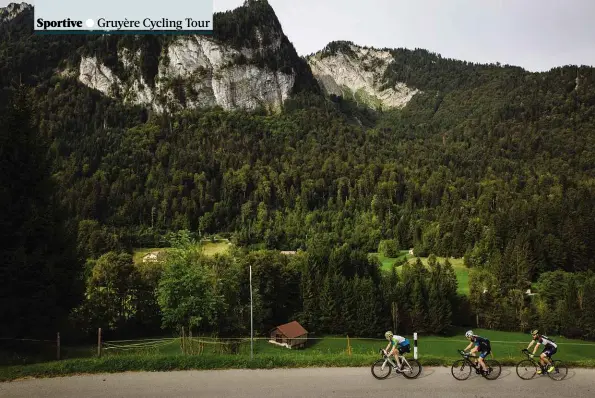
[
  {"x": 390, "y": 360},
  {"x": 474, "y": 364},
  {"x": 537, "y": 362}
]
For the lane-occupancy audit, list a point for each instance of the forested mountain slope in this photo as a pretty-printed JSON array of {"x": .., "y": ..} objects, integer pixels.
[
  {"x": 482, "y": 155},
  {"x": 452, "y": 158}
]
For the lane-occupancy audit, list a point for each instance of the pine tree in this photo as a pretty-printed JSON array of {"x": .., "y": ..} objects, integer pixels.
[
  {"x": 327, "y": 307},
  {"x": 418, "y": 312},
  {"x": 309, "y": 314},
  {"x": 588, "y": 316},
  {"x": 39, "y": 276}
]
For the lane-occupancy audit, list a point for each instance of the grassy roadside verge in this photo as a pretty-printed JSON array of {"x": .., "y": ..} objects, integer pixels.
[{"x": 163, "y": 363}]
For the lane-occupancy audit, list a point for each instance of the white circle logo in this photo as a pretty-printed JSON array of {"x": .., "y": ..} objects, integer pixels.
[{"x": 90, "y": 23}]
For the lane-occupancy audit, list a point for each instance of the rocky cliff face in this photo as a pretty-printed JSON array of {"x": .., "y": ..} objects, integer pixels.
[
  {"x": 194, "y": 71},
  {"x": 10, "y": 12},
  {"x": 351, "y": 71},
  {"x": 248, "y": 63}
]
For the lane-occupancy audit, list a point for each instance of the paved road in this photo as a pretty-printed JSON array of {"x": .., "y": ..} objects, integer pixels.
[{"x": 328, "y": 382}]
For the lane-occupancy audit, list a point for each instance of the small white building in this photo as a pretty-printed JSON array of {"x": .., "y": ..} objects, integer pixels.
[{"x": 152, "y": 257}]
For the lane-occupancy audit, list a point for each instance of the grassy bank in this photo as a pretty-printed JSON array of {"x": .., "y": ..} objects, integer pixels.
[{"x": 163, "y": 363}]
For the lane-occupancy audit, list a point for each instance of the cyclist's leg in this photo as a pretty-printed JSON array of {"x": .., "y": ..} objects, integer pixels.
[
  {"x": 550, "y": 353},
  {"x": 402, "y": 350},
  {"x": 481, "y": 361},
  {"x": 544, "y": 357},
  {"x": 395, "y": 355},
  {"x": 397, "y": 352},
  {"x": 473, "y": 352}
]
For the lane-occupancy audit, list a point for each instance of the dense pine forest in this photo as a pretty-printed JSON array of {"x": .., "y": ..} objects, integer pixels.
[{"x": 490, "y": 163}]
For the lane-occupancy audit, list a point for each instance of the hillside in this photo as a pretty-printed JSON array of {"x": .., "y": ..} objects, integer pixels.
[
  {"x": 469, "y": 155},
  {"x": 339, "y": 154}
]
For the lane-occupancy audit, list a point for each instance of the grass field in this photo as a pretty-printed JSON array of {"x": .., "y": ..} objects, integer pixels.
[
  {"x": 327, "y": 351},
  {"x": 210, "y": 249},
  {"x": 505, "y": 345},
  {"x": 387, "y": 262},
  {"x": 461, "y": 271}
]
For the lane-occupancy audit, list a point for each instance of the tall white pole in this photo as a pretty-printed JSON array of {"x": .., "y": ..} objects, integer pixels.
[
  {"x": 251, "y": 320},
  {"x": 415, "y": 345}
]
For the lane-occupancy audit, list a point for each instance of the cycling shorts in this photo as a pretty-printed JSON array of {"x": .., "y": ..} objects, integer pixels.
[
  {"x": 549, "y": 350},
  {"x": 484, "y": 350},
  {"x": 405, "y": 347}
]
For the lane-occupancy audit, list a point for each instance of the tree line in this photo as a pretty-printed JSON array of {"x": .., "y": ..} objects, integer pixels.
[{"x": 329, "y": 290}]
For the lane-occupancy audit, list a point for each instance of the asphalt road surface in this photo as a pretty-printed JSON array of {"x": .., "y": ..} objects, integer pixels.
[{"x": 310, "y": 382}]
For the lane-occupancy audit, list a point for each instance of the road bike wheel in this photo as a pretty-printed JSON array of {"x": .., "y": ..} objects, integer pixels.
[
  {"x": 560, "y": 372},
  {"x": 380, "y": 372},
  {"x": 413, "y": 370},
  {"x": 461, "y": 370},
  {"x": 494, "y": 369},
  {"x": 526, "y": 369}
]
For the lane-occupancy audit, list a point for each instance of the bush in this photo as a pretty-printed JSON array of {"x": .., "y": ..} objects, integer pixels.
[{"x": 389, "y": 248}]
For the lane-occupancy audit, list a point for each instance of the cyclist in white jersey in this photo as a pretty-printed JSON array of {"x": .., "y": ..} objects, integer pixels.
[
  {"x": 399, "y": 344},
  {"x": 549, "y": 349}
]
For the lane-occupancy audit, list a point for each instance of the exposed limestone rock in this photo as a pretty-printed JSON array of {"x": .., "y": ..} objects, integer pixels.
[
  {"x": 97, "y": 76},
  {"x": 12, "y": 10},
  {"x": 360, "y": 74},
  {"x": 211, "y": 69}
]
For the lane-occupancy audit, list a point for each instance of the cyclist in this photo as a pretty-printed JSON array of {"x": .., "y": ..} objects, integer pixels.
[
  {"x": 549, "y": 349},
  {"x": 482, "y": 345},
  {"x": 400, "y": 345}
]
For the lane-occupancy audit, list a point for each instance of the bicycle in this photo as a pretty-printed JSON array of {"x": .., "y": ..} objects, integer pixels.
[
  {"x": 528, "y": 367},
  {"x": 492, "y": 373},
  {"x": 410, "y": 368}
]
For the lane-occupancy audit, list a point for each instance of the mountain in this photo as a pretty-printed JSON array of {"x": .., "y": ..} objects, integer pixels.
[
  {"x": 248, "y": 63},
  {"x": 232, "y": 133},
  {"x": 348, "y": 151}
]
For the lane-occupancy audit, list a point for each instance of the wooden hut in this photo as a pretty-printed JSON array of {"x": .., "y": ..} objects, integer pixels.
[{"x": 290, "y": 335}]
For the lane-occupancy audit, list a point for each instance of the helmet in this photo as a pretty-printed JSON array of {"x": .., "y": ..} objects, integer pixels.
[
  {"x": 469, "y": 333},
  {"x": 388, "y": 335},
  {"x": 535, "y": 332}
]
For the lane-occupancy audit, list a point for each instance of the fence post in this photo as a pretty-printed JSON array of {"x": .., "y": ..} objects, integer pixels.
[
  {"x": 58, "y": 346},
  {"x": 415, "y": 345},
  {"x": 251, "y": 320},
  {"x": 348, "y": 346},
  {"x": 183, "y": 341},
  {"x": 99, "y": 343}
]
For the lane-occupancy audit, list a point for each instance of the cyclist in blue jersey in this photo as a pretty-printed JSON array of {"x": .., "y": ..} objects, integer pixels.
[
  {"x": 398, "y": 345},
  {"x": 549, "y": 349},
  {"x": 481, "y": 345}
]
